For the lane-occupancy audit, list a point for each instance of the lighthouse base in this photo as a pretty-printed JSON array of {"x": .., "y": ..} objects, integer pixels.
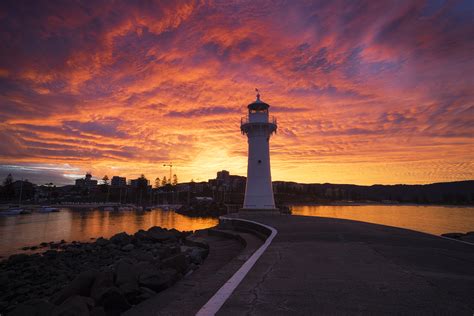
[{"x": 275, "y": 211}]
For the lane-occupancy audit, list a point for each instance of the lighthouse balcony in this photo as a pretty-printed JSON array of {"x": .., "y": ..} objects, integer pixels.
[{"x": 251, "y": 122}]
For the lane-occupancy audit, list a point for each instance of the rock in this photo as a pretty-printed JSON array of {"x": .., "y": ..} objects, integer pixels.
[
  {"x": 145, "y": 293},
  {"x": 114, "y": 302},
  {"x": 16, "y": 259},
  {"x": 98, "y": 311},
  {"x": 102, "y": 282},
  {"x": 121, "y": 239},
  {"x": 193, "y": 241},
  {"x": 468, "y": 237},
  {"x": 43, "y": 244},
  {"x": 141, "y": 255},
  {"x": 196, "y": 254},
  {"x": 158, "y": 280},
  {"x": 102, "y": 242},
  {"x": 453, "y": 235},
  {"x": 130, "y": 289},
  {"x": 50, "y": 254},
  {"x": 178, "y": 262},
  {"x": 34, "y": 308},
  {"x": 141, "y": 235},
  {"x": 160, "y": 235},
  {"x": 74, "y": 305},
  {"x": 128, "y": 247},
  {"x": 81, "y": 285},
  {"x": 124, "y": 272}
]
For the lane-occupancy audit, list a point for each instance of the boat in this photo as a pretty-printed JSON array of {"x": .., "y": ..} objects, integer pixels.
[
  {"x": 12, "y": 211},
  {"x": 48, "y": 209},
  {"x": 108, "y": 208}
]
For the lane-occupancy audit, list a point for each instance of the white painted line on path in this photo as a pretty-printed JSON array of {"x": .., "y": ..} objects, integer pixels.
[{"x": 215, "y": 303}]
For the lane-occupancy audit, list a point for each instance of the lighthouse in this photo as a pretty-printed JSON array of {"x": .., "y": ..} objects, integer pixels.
[{"x": 258, "y": 126}]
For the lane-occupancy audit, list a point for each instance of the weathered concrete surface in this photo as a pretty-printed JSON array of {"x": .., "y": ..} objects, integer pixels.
[{"x": 330, "y": 266}]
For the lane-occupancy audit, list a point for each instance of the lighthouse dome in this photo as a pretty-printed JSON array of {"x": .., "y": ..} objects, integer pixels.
[{"x": 258, "y": 105}]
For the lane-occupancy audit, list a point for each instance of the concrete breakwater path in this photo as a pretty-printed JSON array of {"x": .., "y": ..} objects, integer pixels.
[{"x": 333, "y": 266}]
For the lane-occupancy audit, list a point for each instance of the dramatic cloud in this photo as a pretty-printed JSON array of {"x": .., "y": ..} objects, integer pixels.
[{"x": 364, "y": 92}]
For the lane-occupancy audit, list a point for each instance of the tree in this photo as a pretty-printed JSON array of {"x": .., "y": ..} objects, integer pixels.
[
  {"x": 164, "y": 181},
  {"x": 175, "y": 180},
  {"x": 8, "y": 180},
  {"x": 8, "y": 190},
  {"x": 157, "y": 182},
  {"x": 106, "y": 180}
]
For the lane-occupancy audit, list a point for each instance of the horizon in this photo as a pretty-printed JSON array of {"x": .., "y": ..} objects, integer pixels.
[{"x": 365, "y": 93}]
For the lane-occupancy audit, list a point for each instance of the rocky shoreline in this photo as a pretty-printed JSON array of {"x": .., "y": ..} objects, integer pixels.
[
  {"x": 468, "y": 237},
  {"x": 104, "y": 277}
]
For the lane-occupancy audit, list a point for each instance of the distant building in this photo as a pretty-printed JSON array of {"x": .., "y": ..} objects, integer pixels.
[
  {"x": 140, "y": 182},
  {"x": 87, "y": 182},
  {"x": 118, "y": 181}
]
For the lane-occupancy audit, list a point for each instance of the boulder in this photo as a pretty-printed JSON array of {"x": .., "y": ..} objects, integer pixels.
[
  {"x": 468, "y": 237},
  {"x": 194, "y": 241},
  {"x": 34, "y": 308},
  {"x": 114, "y": 302},
  {"x": 158, "y": 280},
  {"x": 124, "y": 272},
  {"x": 197, "y": 254},
  {"x": 81, "y": 286},
  {"x": 98, "y": 311},
  {"x": 102, "y": 282},
  {"x": 121, "y": 239},
  {"x": 453, "y": 235},
  {"x": 159, "y": 234},
  {"x": 74, "y": 305},
  {"x": 178, "y": 262},
  {"x": 145, "y": 293},
  {"x": 141, "y": 255},
  {"x": 128, "y": 247},
  {"x": 141, "y": 235},
  {"x": 16, "y": 259},
  {"x": 102, "y": 242}
]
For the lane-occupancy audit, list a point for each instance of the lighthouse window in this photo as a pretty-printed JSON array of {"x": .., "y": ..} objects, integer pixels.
[{"x": 259, "y": 161}]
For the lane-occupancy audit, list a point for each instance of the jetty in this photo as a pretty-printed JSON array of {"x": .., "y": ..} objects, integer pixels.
[{"x": 316, "y": 265}]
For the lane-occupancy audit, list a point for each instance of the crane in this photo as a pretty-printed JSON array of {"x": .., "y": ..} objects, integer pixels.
[{"x": 171, "y": 168}]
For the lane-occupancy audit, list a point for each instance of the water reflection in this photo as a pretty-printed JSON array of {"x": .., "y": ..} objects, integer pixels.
[
  {"x": 430, "y": 219},
  {"x": 80, "y": 225}
]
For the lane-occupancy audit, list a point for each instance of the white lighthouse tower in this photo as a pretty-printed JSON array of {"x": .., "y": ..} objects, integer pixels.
[{"x": 258, "y": 127}]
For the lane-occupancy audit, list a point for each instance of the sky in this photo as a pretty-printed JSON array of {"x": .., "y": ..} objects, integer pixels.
[{"x": 365, "y": 92}]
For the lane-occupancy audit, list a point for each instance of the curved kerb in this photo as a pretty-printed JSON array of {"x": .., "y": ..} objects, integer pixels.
[{"x": 215, "y": 303}]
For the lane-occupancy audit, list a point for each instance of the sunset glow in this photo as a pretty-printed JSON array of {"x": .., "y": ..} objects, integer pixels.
[{"x": 374, "y": 92}]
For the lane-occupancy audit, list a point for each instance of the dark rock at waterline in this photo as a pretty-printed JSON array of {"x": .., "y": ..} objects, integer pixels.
[
  {"x": 121, "y": 239},
  {"x": 160, "y": 235},
  {"x": 102, "y": 242},
  {"x": 19, "y": 258},
  {"x": 81, "y": 285},
  {"x": 54, "y": 272},
  {"x": 453, "y": 235}
]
